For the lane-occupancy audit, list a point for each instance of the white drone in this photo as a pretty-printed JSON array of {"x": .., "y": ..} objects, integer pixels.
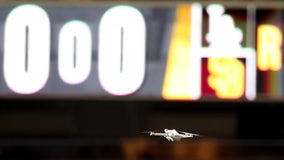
[{"x": 173, "y": 135}]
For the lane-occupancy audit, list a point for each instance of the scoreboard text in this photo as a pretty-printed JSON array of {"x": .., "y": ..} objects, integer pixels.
[{"x": 185, "y": 52}]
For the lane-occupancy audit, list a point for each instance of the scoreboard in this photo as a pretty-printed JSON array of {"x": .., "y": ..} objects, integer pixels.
[{"x": 188, "y": 51}]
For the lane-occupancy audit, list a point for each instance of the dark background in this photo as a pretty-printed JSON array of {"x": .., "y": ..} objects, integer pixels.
[{"x": 97, "y": 129}]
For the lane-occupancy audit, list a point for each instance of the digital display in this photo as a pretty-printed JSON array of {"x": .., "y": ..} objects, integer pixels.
[{"x": 183, "y": 52}]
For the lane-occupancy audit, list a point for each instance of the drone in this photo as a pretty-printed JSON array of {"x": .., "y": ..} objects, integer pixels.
[{"x": 173, "y": 135}]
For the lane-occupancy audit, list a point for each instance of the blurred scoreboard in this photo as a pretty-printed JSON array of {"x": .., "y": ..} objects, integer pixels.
[{"x": 187, "y": 51}]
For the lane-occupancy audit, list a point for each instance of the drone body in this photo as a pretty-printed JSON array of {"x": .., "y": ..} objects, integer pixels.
[{"x": 173, "y": 135}]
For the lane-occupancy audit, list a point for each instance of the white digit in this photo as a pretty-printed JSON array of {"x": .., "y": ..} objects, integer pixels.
[
  {"x": 121, "y": 56},
  {"x": 75, "y": 52},
  {"x": 26, "y": 49}
]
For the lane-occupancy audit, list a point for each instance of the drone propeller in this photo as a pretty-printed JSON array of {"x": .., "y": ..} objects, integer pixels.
[
  {"x": 147, "y": 132},
  {"x": 152, "y": 131}
]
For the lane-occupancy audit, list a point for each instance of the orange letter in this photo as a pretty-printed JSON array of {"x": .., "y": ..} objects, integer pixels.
[
  {"x": 269, "y": 40},
  {"x": 226, "y": 77}
]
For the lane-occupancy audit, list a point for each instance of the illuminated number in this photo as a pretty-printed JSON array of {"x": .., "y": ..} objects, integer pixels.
[
  {"x": 75, "y": 52},
  {"x": 26, "y": 49},
  {"x": 269, "y": 48},
  {"x": 121, "y": 57},
  {"x": 226, "y": 77}
]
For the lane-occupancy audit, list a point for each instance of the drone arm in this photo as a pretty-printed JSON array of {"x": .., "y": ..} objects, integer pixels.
[{"x": 158, "y": 134}]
